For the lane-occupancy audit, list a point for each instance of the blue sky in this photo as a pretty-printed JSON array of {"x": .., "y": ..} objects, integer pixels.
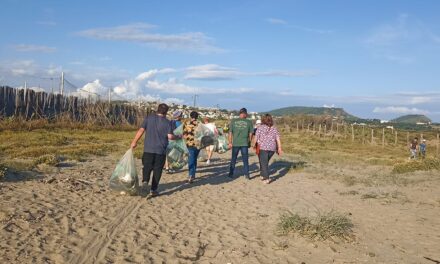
[{"x": 376, "y": 59}]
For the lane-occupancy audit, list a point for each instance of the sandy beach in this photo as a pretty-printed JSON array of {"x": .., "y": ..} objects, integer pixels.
[{"x": 69, "y": 215}]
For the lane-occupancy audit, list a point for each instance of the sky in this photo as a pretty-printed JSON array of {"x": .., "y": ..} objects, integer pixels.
[{"x": 375, "y": 59}]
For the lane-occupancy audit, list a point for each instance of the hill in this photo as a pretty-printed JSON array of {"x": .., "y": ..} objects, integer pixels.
[
  {"x": 412, "y": 119},
  {"x": 305, "y": 110}
]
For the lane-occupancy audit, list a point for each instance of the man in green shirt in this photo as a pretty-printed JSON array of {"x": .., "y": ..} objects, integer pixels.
[{"x": 240, "y": 136}]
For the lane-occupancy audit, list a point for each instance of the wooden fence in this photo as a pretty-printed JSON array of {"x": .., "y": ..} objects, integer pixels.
[
  {"x": 30, "y": 105},
  {"x": 363, "y": 134}
]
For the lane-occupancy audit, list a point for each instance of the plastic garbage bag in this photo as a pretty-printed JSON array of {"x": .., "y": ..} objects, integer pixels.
[
  {"x": 124, "y": 177},
  {"x": 222, "y": 144},
  {"x": 203, "y": 156},
  {"x": 204, "y": 136},
  {"x": 177, "y": 154},
  {"x": 178, "y": 131}
]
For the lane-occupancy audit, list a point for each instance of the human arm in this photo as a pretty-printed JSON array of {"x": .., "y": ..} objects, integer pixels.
[
  {"x": 230, "y": 140},
  {"x": 279, "y": 149},
  {"x": 230, "y": 136},
  {"x": 251, "y": 132},
  {"x": 137, "y": 137},
  {"x": 278, "y": 140},
  {"x": 254, "y": 142}
]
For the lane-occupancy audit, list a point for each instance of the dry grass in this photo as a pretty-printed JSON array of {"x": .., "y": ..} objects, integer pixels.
[
  {"x": 324, "y": 226},
  {"x": 3, "y": 171},
  {"x": 417, "y": 165},
  {"x": 354, "y": 163},
  {"x": 48, "y": 159},
  {"x": 24, "y": 150}
]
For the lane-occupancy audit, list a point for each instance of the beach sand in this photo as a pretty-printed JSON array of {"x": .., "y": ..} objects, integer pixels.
[{"x": 69, "y": 215}]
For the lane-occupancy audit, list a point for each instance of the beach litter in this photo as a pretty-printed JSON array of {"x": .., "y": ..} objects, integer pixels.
[{"x": 124, "y": 178}]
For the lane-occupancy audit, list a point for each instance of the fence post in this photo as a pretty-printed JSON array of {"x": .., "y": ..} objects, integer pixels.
[
  {"x": 297, "y": 127},
  {"x": 352, "y": 133},
  {"x": 372, "y": 135},
  {"x": 395, "y": 137},
  {"x": 438, "y": 143},
  {"x": 363, "y": 134},
  {"x": 319, "y": 133},
  {"x": 383, "y": 137}
]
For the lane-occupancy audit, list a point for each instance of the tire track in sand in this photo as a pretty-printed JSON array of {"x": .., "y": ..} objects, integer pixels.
[{"x": 95, "y": 249}]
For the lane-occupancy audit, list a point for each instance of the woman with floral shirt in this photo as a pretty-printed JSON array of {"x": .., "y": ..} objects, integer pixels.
[
  {"x": 268, "y": 139},
  {"x": 189, "y": 128}
]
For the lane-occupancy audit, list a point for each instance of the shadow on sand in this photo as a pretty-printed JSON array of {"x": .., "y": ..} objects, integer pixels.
[{"x": 216, "y": 173}]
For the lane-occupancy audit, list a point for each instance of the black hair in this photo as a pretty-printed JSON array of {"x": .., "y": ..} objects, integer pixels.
[
  {"x": 162, "y": 109},
  {"x": 194, "y": 115}
]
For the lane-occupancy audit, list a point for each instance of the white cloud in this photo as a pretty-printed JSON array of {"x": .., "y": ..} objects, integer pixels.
[
  {"x": 396, "y": 41},
  {"x": 287, "y": 93},
  {"x": 33, "y": 48},
  {"x": 171, "y": 86},
  {"x": 211, "y": 72},
  {"x": 389, "y": 34},
  {"x": 216, "y": 72},
  {"x": 138, "y": 32},
  {"x": 276, "y": 21},
  {"x": 93, "y": 89},
  {"x": 399, "y": 110}
]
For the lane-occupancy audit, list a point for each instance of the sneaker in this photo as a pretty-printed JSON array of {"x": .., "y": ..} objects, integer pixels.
[
  {"x": 208, "y": 162},
  {"x": 153, "y": 194},
  {"x": 190, "y": 180},
  {"x": 247, "y": 177}
]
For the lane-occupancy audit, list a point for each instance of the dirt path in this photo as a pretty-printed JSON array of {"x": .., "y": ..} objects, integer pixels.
[{"x": 71, "y": 216}]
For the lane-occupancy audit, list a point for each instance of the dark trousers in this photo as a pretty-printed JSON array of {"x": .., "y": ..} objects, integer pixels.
[
  {"x": 152, "y": 162},
  {"x": 264, "y": 158},
  {"x": 244, "y": 155},
  {"x": 192, "y": 161}
]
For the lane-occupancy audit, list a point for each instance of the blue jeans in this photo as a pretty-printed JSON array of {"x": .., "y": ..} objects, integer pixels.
[
  {"x": 192, "y": 161},
  {"x": 244, "y": 155}
]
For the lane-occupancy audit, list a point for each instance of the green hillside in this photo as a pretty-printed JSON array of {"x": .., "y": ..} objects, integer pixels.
[
  {"x": 412, "y": 119},
  {"x": 305, "y": 110}
]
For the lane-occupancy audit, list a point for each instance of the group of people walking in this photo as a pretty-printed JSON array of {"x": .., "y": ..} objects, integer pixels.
[{"x": 158, "y": 130}]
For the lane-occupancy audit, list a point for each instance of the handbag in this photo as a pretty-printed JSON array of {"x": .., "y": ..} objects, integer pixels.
[{"x": 257, "y": 148}]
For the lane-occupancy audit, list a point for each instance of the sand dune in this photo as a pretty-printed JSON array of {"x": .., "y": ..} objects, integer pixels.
[{"x": 69, "y": 216}]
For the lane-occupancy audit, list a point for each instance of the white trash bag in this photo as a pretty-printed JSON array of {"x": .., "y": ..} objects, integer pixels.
[{"x": 124, "y": 178}]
